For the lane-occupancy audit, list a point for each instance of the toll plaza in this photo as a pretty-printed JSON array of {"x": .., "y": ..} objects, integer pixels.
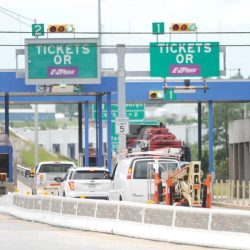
[
  {"x": 16, "y": 91},
  {"x": 179, "y": 72}
]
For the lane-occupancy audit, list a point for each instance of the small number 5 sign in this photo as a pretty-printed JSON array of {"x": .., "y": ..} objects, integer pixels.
[{"x": 121, "y": 125}]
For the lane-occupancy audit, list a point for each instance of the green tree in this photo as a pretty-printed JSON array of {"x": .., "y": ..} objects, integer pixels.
[{"x": 223, "y": 114}]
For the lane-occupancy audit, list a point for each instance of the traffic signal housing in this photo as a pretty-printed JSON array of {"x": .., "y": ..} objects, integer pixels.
[
  {"x": 183, "y": 27},
  {"x": 61, "y": 28},
  {"x": 156, "y": 95}
]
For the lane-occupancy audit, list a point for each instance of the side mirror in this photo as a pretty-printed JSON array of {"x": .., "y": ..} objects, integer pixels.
[
  {"x": 58, "y": 179},
  {"x": 106, "y": 176},
  {"x": 27, "y": 174}
]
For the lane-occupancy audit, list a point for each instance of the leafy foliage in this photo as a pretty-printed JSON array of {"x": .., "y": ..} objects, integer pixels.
[{"x": 223, "y": 114}]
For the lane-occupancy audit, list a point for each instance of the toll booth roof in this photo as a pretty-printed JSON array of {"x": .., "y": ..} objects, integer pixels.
[{"x": 4, "y": 140}]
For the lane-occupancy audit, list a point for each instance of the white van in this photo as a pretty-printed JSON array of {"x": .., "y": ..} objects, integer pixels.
[
  {"x": 45, "y": 174},
  {"x": 132, "y": 178}
]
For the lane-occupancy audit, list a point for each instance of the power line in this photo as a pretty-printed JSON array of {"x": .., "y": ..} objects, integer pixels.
[
  {"x": 16, "y": 16},
  {"x": 134, "y": 46},
  {"x": 15, "y": 13},
  {"x": 130, "y": 46},
  {"x": 136, "y": 32}
]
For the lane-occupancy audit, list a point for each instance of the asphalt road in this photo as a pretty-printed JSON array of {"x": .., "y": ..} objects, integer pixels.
[{"x": 16, "y": 234}]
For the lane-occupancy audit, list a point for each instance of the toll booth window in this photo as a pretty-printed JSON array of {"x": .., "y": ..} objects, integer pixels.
[
  {"x": 4, "y": 164},
  {"x": 55, "y": 168}
]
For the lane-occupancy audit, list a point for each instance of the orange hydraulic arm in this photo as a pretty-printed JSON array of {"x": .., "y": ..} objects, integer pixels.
[{"x": 208, "y": 197}]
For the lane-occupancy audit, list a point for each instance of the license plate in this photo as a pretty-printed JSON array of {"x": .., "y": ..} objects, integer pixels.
[{"x": 91, "y": 186}]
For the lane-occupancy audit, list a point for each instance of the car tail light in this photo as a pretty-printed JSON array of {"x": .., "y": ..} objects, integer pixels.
[
  {"x": 72, "y": 185},
  {"x": 129, "y": 176}
]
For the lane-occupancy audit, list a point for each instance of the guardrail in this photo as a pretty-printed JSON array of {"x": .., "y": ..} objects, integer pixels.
[
  {"x": 233, "y": 192},
  {"x": 23, "y": 171}
]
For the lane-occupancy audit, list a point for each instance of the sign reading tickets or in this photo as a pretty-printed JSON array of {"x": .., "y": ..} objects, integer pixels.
[
  {"x": 56, "y": 61},
  {"x": 177, "y": 59}
]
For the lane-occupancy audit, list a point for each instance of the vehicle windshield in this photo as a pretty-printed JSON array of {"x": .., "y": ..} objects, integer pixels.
[
  {"x": 55, "y": 168},
  {"x": 142, "y": 168},
  {"x": 90, "y": 175}
]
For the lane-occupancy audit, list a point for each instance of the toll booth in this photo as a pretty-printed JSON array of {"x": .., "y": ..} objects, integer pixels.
[{"x": 7, "y": 180}]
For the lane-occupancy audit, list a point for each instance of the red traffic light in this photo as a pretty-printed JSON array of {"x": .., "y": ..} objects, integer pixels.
[
  {"x": 156, "y": 94},
  {"x": 61, "y": 28},
  {"x": 52, "y": 28},
  {"x": 183, "y": 27}
]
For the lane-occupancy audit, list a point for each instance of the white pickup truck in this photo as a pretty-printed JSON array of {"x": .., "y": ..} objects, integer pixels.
[{"x": 45, "y": 174}]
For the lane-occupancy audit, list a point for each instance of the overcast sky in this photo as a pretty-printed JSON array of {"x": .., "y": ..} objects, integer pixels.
[{"x": 134, "y": 15}]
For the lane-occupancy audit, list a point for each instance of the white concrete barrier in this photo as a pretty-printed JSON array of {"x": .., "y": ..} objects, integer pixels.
[
  {"x": 180, "y": 217},
  {"x": 161, "y": 220}
]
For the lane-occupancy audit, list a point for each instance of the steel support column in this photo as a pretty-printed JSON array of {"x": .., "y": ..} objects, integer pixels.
[
  {"x": 7, "y": 116},
  {"x": 109, "y": 133},
  {"x": 86, "y": 131},
  {"x": 121, "y": 91},
  {"x": 199, "y": 132},
  {"x": 80, "y": 147},
  {"x": 210, "y": 136},
  {"x": 99, "y": 132},
  {"x": 96, "y": 130}
]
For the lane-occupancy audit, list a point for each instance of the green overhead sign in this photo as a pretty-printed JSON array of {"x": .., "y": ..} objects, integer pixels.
[
  {"x": 133, "y": 111},
  {"x": 177, "y": 59},
  {"x": 65, "y": 60}
]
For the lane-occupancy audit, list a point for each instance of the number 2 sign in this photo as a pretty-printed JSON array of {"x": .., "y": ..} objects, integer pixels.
[{"x": 38, "y": 29}]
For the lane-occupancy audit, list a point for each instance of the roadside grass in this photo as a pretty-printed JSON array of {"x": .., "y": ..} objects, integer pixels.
[{"x": 28, "y": 159}]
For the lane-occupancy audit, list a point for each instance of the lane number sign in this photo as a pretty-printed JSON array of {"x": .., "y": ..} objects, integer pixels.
[
  {"x": 38, "y": 29},
  {"x": 121, "y": 125}
]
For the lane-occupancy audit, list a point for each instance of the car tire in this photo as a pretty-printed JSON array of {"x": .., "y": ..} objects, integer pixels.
[
  {"x": 120, "y": 198},
  {"x": 64, "y": 195}
]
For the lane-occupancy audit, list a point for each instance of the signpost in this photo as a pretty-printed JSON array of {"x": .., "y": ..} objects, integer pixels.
[
  {"x": 183, "y": 59},
  {"x": 57, "y": 61}
]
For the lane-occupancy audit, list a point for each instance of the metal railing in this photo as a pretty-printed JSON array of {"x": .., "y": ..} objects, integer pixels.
[{"x": 230, "y": 191}]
